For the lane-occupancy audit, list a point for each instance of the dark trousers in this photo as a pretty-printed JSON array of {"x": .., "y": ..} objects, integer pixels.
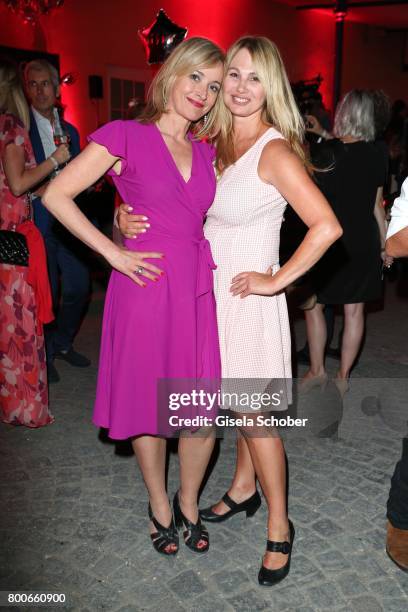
[
  {"x": 397, "y": 506},
  {"x": 65, "y": 264}
]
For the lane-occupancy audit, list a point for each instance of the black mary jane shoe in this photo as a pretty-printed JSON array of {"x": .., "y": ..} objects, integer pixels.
[
  {"x": 250, "y": 506},
  {"x": 193, "y": 532},
  {"x": 164, "y": 536},
  {"x": 269, "y": 577}
]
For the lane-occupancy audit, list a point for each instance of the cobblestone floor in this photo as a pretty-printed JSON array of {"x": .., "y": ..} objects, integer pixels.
[{"x": 73, "y": 509}]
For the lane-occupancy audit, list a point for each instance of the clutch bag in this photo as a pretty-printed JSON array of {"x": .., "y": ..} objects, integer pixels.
[
  {"x": 13, "y": 245},
  {"x": 13, "y": 248}
]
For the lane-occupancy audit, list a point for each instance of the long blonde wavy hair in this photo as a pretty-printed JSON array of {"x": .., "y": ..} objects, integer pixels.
[
  {"x": 12, "y": 99},
  {"x": 188, "y": 56},
  {"x": 280, "y": 109}
]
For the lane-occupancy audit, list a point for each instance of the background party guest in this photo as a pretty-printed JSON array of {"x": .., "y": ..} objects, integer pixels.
[
  {"x": 397, "y": 139},
  {"x": 63, "y": 252},
  {"x": 350, "y": 273},
  {"x": 397, "y": 507},
  {"x": 381, "y": 118},
  {"x": 23, "y": 375}
]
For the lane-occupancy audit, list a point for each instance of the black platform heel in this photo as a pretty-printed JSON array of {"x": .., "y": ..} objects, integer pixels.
[
  {"x": 269, "y": 577},
  {"x": 164, "y": 536},
  {"x": 250, "y": 506},
  {"x": 193, "y": 532}
]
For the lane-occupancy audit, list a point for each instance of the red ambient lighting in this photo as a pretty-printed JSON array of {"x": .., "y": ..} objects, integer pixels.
[
  {"x": 31, "y": 10},
  {"x": 340, "y": 10},
  {"x": 341, "y": 15}
]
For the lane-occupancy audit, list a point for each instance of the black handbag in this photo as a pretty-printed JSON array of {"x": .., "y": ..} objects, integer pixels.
[
  {"x": 13, "y": 245},
  {"x": 13, "y": 248}
]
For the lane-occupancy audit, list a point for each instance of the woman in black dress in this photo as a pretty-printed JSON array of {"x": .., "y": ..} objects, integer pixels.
[{"x": 350, "y": 272}]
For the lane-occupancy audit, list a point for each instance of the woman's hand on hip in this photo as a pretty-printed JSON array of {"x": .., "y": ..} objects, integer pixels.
[
  {"x": 133, "y": 264},
  {"x": 130, "y": 225},
  {"x": 252, "y": 283}
]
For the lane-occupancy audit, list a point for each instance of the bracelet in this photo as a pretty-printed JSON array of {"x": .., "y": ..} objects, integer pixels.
[{"x": 54, "y": 162}]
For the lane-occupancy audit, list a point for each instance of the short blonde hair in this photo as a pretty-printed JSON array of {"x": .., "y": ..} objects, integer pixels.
[
  {"x": 355, "y": 116},
  {"x": 280, "y": 109},
  {"x": 187, "y": 56},
  {"x": 12, "y": 99}
]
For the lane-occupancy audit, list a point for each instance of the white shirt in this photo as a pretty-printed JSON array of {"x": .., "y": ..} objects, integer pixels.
[
  {"x": 399, "y": 212},
  {"x": 45, "y": 131}
]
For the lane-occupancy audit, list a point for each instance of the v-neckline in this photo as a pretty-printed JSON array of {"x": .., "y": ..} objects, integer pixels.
[{"x": 173, "y": 161}]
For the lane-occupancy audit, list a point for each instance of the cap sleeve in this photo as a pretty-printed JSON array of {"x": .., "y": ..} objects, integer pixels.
[{"x": 112, "y": 136}]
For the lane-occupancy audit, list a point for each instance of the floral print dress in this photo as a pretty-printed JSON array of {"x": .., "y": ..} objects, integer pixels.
[{"x": 23, "y": 372}]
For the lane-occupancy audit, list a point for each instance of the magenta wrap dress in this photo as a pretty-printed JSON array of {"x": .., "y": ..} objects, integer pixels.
[{"x": 169, "y": 328}]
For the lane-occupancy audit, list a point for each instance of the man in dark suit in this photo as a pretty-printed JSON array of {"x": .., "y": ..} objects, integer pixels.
[
  {"x": 63, "y": 251},
  {"x": 397, "y": 506}
]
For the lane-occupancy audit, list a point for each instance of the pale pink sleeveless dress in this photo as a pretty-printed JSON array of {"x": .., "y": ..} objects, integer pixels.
[{"x": 243, "y": 227}]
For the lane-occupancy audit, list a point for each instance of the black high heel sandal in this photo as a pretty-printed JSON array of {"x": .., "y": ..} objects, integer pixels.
[
  {"x": 164, "y": 536},
  {"x": 193, "y": 532},
  {"x": 250, "y": 506},
  {"x": 269, "y": 577}
]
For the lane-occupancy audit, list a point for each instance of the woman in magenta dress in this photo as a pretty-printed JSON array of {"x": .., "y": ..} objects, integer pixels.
[{"x": 160, "y": 319}]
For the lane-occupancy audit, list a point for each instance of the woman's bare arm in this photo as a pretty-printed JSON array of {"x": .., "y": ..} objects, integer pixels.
[
  {"x": 379, "y": 214},
  {"x": 314, "y": 126},
  {"x": 397, "y": 244},
  {"x": 282, "y": 168},
  {"x": 81, "y": 173},
  {"x": 21, "y": 179}
]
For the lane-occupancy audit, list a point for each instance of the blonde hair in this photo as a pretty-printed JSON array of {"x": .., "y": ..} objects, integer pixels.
[
  {"x": 187, "y": 56},
  {"x": 12, "y": 99},
  {"x": 280, "y": 109}
]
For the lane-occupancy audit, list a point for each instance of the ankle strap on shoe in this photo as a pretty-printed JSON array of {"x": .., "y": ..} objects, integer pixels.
[
  {"x": 168, "y": 532},
  {"x": 281, "y": 547},
  {"x": 229, "y": 502}
]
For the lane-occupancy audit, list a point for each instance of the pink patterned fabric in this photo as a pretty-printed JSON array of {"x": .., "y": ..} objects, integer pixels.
[{"x": 23, "y": 372}]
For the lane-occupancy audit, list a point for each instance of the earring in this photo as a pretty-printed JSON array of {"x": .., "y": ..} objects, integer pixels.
[{"x": 205, "y": 119}]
